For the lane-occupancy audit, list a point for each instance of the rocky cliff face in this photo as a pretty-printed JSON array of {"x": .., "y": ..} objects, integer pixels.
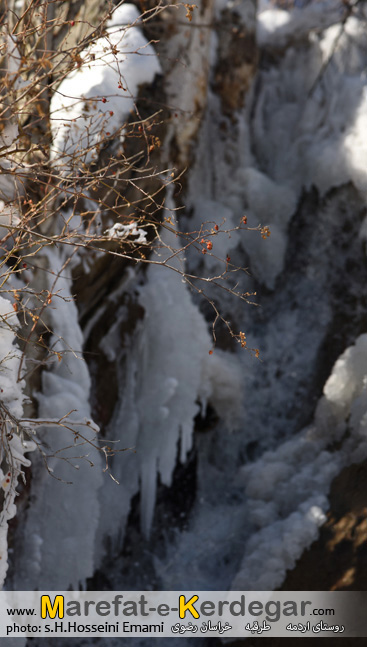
[{"x": 229, "y": 459}]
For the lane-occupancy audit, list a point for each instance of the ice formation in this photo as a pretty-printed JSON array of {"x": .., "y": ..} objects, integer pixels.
[
  {"x": 298, "y": 132},
  {"x": 284, "y": 136},
  {"x": 305, "y": 134},
  {"x": 92, "y": 102},
  {"x": 13, "y": 446},
  {"x": 305, "y": 128},
  {"x": 155, "y": 415},
  {"x": 276, "y": 27},
  {"x": 64, "y": 496},
  {"x": 168, "y": 374},
  {"x": 87, "y": 102},
  {"x": 15, "y": 443},
  {"x": 287, "y": 488},
  {"x": 175, "y": 346}
]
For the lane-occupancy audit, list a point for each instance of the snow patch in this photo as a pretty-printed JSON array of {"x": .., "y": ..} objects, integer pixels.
[{"x": 89, "y": 103}]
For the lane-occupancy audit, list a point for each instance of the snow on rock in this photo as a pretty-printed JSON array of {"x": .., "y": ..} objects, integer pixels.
[
  {"x": 118, "y": 230},
  {"x": 63, "y": 514},
  {"x": 345, "y": 398},
  {"x": 288, "y": 487},
  {"x": 276, "y": 548},
  {"x": 310, "y": 119},
  {"x": 308, "y": 126},
  {"x": 276, "y": 27},
  {"x": 11, "y": 388},
  {"x": 89, "y": 102},
  {"x": 13, "y": 447}
]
